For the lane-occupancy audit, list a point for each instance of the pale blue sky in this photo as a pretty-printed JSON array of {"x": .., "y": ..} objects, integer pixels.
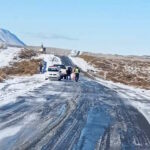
[{"x": 106, "y": 26}]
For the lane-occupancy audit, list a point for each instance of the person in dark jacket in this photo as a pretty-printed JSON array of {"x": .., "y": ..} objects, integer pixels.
[
  {"x": 69, "y": 71},
  {"x": 41, "y": 67}
]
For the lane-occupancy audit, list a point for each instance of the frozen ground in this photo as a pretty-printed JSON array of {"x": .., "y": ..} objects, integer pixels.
[
  {"x": 82, "y": 63},
  {"x": 7, "y": 55},
  {"x": 139, "y": 98},
  {"x": 17, "y": 86},
  {"x": 38, "y": 114}
]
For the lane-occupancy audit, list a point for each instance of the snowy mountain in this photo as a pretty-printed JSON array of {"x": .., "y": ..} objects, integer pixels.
[{"x": 6, "y": 37}]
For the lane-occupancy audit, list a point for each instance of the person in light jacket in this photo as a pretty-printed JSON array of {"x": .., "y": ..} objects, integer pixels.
[{"x": 77, "y": 72}]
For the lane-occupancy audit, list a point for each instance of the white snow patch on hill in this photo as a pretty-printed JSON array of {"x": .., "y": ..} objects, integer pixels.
[
  {"x": 7, "y": 55},
  {"x": 50, "y": 59},
  {"x": 82, "y": 64}
]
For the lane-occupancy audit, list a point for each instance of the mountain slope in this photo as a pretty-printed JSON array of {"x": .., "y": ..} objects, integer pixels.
[{"x": 9, "y": 38}]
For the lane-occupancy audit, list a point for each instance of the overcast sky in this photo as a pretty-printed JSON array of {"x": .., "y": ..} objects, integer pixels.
[{"x": 106, "y": 26}]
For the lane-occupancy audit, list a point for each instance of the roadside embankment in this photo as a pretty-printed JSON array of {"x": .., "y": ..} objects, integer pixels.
[
  {"x": 129, "y": 71},
  {"x": 22, "y": 64}
]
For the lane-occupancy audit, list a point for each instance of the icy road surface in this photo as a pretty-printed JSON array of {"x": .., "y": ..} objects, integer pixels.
[{"x": 67, "y": 115}]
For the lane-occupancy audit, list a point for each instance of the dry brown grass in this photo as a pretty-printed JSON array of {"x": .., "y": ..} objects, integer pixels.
[
  {"x": 27, "y": 65},
  {"x": 123, "y": 70},
  {"x": 2, "y": 75},
  {"x": 27, "y": 54}
]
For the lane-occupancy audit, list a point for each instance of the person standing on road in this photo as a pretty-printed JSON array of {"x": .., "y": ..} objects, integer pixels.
[
  {"x": 73, "y": 75},
  {"x": 77, "y": 72},
  {"x": 41, "y": 66},
  {"x": 69, "y": 71},
  {"x": 44, "y": 66}
]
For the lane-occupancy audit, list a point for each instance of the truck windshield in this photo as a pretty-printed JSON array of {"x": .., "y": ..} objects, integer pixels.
[
  {"x": 60, "y": 66},
  {"x": 53, "y": 69}
]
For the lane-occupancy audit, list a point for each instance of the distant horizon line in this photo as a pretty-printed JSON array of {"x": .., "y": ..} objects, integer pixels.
[{"x": 71, "y": 49}]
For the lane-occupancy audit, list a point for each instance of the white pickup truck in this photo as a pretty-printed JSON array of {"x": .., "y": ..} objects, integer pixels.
[
  {"x": 53, "y": 73},
  {"x": 62, "y": 69}
]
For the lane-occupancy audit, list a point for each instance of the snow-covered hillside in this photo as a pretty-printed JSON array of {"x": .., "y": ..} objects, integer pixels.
[
  {"x": 133, "y": 71},
  {"x": 6, "y": 37},
  {"x": 7, "y": 55}
]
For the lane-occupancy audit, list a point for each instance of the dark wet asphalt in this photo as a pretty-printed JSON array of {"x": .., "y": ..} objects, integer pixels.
[{"x": 79, "y": 116}]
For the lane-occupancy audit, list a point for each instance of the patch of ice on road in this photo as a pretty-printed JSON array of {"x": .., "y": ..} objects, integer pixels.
[
  {"x": 62, "y": 109},
  {"x": 19, "y": 86},
  {"x": 97, "y": 121},
  {"x": 40, "y": 99},
  {"x": 7, "y": 132},
  {"x": 11, "y": 131},
  {"x": 82, "y": 64},
  {"x": 7, "y": 55},
  {"x": 138, "y": 98},
  {"x": 29, "y": 118}
]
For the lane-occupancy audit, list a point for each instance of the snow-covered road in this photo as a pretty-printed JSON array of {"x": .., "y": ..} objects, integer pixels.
[{"x": 66, "y": 115}]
